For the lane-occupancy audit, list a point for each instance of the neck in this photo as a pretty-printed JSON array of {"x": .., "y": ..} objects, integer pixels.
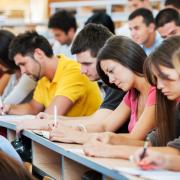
[
  {"x": 141, "y": 85},
  {"x": 50, "y": 67},
  {"x": 150, "y": 40}
]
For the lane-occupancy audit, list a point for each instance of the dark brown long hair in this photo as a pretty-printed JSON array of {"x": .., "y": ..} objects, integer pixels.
[
  {"x": 12, "y": 170},
  {"x": 165, "y": 109}
]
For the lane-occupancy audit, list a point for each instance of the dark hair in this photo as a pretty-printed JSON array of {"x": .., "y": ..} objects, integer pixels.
[
  {"x": 165, "y": 109},
  {"x": 174, "y": 3},
  {"x": 92, "y": 37},
  {"x": 167, "y": 15},
  {"x": 5, "y": 39},
  {"x": 26, "y": 43},
  {"x": 124, "y": 51},
  {"x": 62, "y": 20},
  {"x": 145, "y": 13},
  {"x": 11, "y": 169},
  {"x": 102, "y": 18}
]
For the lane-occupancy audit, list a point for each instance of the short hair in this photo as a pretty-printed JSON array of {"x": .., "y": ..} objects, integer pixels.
[
  {"x": 62, "y": 20},
  {"x": 5, "y": 39},
  {"x": 102, "y": 18},
  {"x": 145, "y": 13},
  {"x": 167, "y": 15},
  {"x": 26, "y": 43},
  {"x": 174, "y": 3},
  {"x": 92, "y": 37}
]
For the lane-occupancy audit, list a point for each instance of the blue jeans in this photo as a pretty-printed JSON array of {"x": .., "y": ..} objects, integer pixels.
[{"x": 7, "y": 148}]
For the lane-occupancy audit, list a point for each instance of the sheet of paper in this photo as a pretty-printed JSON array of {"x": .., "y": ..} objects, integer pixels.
[
  {"x": 45, "y": 134},
  {"x": 150, "y": 174},
  {"x": 16, "y": 117},
  {"x": 78, "y": 151}
]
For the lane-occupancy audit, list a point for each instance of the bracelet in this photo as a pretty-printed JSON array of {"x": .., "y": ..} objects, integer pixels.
[{"x": 82, "y": 127}]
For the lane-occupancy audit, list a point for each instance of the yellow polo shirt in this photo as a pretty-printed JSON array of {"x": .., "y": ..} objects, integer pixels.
[{"x": 69, "y": 82}]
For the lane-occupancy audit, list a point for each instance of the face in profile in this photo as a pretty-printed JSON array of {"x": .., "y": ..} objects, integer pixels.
[
  {"x": 29, "y": 66},
  {"x": 169, "y": 29},
  {"x": 168, "y": 81},
  {"x": 62, "y": 37},
  {"x": 118, "y": 74},
  {"x": 88, "y": 65}
]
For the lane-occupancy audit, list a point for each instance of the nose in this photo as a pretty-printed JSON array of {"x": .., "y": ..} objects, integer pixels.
[
  {"x": 111, "y": 79},
  {"x": 160, "y": 84},
  {"x": 22, "y": 70},
  {"x": 83, "y": 69}
]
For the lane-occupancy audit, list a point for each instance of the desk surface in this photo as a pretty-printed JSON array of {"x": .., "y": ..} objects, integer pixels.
[{"x": 104, "y": 165}]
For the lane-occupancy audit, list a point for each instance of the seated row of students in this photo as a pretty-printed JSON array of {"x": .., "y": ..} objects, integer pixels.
[{"x": 120, "y": 63}]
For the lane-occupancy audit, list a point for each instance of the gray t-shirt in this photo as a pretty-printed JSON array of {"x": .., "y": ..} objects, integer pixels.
[{"x": 175, "y": 143}]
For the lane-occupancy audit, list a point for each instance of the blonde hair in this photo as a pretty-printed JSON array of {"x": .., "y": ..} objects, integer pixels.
[{"x": 176, "y": 60}]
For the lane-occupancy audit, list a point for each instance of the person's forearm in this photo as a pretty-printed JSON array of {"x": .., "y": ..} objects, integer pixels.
[
  {"x": 125, "y": 139},
  {"x": 22, "y": 109},
  {"x": 166, "y": 150},
  {"x": 173, "y": 162}
]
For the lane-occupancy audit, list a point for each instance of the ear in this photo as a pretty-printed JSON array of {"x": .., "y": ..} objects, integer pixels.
[
  {"x": 151, "y": 27},
  {"x": 71, "y": 31},
  {"x": 39, "y": 54}
]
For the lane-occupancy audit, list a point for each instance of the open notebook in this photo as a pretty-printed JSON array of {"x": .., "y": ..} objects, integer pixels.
[
  {"x": 44, "y": 134},
  {"x": 150, "y": 174},
  {"x": 16, "y": 117}
]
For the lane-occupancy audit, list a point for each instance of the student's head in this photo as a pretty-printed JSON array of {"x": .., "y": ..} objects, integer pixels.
[
  {"x": 11, "y": 169},
  {"x": 172, "y": 4},
  {"x": 160, "y": 69},
  {"x": 63, "y": 26},
  {"x": 29, "y": 51},
  {"x": 5, "y": 63},
  {"x": 168, "y": 22},
  {"x": 86, "y": 46},
  {"x": 135, "y": 4},
  {"x": 141, "y": 25},
  {"x": 176, "y": 60},
  {"x": 102, "y": 18},
  {"x": 160, "y": 72},
  {"x": 120, "y": 61}
]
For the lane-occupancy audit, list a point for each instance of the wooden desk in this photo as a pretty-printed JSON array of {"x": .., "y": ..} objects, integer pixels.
[{"x": 57, "y": 160}]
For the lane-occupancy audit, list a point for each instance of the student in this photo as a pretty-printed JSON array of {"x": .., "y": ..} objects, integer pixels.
[
  {"x": 168, "y": 22},
  {"x": 60, "y": 81},
  {"x": 11, "y": 169},
  {"x": 172, "y": 4},
  {"x": 64, "y": 27},
  {"x": 159, "y": 71},
  {"x": 156, "y": 160},
  {"x": 19, "y": 87},
  {"x": 102, "y": 18},
  {"x": 86, "y": 50},
  {"x": 132, "y": 6},
  {"x": 142, "y": 27},
  {"x": 120, "y": 65}
]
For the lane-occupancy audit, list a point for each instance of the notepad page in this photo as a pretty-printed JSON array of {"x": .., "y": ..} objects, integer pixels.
[
  {"x": 150, "y": 174},
  {"x": 16, "y": 117}
]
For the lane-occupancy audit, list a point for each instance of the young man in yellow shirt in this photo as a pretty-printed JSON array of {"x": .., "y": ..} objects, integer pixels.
[{"x": 60, "y": 81}]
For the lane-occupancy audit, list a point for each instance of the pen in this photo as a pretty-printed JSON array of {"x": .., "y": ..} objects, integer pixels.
[
  {"x": 55, "y": 115},
  {"x": 145, "y": 148},
  {"x": 1, "y": 105}
]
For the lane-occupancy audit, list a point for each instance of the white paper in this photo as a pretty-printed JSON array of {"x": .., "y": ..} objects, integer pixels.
[
  {"x": 42, "y": 133},
  {"x": 150, "y": 174},
  {"x": 78, "y": 151},
  {"x": 16, "y": 117}
]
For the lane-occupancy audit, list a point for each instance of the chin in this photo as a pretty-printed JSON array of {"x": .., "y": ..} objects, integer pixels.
[{"x": 171, "y": 98}]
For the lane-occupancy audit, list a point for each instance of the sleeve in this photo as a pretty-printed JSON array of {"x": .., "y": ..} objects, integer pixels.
[
  {"x": 151, "y": 100},
  {"x": 7, "y": 148},
  {"x": 175, "y": 143},
  {"x": 23, "y": 88},
  {"x": 112, "y": 99},
  {"x": 72, "y": 85},
  {"x": 127, "y": 98}
]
